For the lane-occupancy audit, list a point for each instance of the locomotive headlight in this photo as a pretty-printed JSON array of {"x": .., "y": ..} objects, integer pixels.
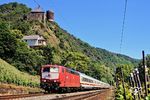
[
  {"x": 44, "y": 80},
  {"x": 54, "y": 80}
]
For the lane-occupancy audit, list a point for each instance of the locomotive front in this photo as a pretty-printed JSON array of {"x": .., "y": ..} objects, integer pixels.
[{"x": 50, "y": 77}]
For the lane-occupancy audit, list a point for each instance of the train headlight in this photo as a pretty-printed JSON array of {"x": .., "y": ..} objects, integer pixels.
[
  {"x": 55, "y": 81},
  {"x": 44, "y": 80}
]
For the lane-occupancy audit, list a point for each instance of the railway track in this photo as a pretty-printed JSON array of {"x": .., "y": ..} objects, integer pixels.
[
  {"x": 65, "y": 96},
  {"x": 80, "y": 96},
  {"x": 10, "y": 97}
]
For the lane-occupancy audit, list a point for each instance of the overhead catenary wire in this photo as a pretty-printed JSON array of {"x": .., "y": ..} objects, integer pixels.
[
  {"x": 123, "y": 25},
  {"x": 121, "y": 42},
  {"x": 37, "y": 3}
]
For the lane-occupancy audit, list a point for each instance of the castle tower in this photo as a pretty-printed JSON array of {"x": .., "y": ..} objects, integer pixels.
[
  {"x": 36, "y": 14},
  {"x": 50, "y": 15}
]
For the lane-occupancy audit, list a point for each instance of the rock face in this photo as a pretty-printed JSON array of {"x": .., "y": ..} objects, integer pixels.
[
  {"x": 12, "y": 92},
  {"x": 11, "y": 89},
  {"x": 6, "y": 89}
]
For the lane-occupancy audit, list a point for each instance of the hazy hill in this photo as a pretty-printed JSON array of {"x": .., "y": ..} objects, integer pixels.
[{"x": 62, "y": 47}]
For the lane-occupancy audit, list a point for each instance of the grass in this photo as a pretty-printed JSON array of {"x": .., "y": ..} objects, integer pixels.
[{"x": 9, "y": 74}]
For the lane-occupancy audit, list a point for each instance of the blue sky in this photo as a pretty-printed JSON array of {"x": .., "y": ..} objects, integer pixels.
[{"x": 98, "y": 22}]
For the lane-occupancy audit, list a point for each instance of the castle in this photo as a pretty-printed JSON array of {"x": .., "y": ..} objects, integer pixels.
[{"x": 40, "y": 15}]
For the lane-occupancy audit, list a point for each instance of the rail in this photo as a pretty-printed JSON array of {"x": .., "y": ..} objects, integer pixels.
[
  {"x": 80, "y": 96},
  {"x": 8, "y": 97},
  {"x": 65, "y": 96}
]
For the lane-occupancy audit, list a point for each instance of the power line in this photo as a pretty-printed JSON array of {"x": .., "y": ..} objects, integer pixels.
[
  {"x": 121, "y": 41},
  {"x": 37, "y": 3},
  {"x": 123, "y": 24}
]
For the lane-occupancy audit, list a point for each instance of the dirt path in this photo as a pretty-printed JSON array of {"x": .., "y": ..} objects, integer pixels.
[{"x": 107, "y": 95}]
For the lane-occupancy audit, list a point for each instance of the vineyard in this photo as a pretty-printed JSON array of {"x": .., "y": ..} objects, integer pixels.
[
  {"x": 133, "y": 84},
  {"x": 9, "y": 74}
]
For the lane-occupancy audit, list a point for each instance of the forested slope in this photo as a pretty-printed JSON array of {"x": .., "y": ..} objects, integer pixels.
[{"x": 62, "y": 47}]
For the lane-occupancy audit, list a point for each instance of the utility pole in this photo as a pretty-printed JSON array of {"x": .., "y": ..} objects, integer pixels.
[{"x": 145, "y": 74}]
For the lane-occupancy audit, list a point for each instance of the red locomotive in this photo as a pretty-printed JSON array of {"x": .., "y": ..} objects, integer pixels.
[{"x": 60, "y": 78}]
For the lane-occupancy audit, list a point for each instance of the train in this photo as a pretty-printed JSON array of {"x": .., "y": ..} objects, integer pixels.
[{"x": 63, "y": 79}]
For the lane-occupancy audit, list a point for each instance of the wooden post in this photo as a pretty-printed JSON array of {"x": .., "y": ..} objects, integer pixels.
[
  {"x": 133, "y": 85},
  {"x": 139, "y": 82},
  {"x": 148, "y": 79},
  {"x": 145, "y": 76}
]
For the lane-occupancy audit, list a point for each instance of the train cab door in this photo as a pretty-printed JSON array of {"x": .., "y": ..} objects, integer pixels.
[
  {"x": 63, "y": 77},
  {"x": 68, "y": 78}
]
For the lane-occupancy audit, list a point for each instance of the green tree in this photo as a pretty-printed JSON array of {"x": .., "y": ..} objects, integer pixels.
[
  {"x": 77, "y": 61},
  {"x": 27, "y": 59},
  {"x": 23, "y": 26},
  {"x": 48, "y": 53},
  {"x": 101, "y": 72},
  {"x": 8, "y": 42}
]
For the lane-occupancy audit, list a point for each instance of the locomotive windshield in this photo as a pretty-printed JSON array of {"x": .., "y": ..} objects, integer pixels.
[
  {"x": 46, "y": 69},
  {"x": 54, "y": 69},
  {"x": 51, "y": 69},
  {"x": 50, "y": 72}
]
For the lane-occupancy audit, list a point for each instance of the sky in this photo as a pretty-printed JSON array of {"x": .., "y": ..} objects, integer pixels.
[{"x": 99, "y": 22}]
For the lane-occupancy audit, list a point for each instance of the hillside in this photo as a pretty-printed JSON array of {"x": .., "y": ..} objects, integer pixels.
[
  {"x": 9, "y": 74},
  {"x": 62, "y": 47}
]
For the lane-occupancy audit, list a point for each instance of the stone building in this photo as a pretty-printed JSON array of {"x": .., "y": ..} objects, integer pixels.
[
  {"x": 40, "y": 15},
  {"x": 50, "y": 15},
  {"x": 37, "y": 14}
]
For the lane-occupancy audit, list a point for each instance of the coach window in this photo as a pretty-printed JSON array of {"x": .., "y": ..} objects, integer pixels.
[{"x": 67, "y": 70}]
